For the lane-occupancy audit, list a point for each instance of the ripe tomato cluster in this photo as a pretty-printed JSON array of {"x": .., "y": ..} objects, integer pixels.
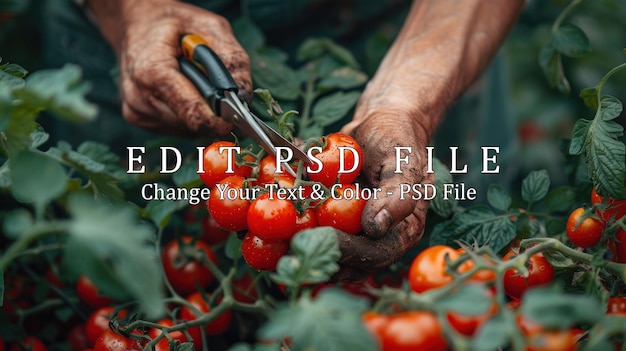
[{"x": 269, "y": 205}]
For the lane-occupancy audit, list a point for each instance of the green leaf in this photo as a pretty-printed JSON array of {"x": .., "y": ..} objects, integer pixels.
[
  {"x": 590, "y": 97},
  {"x": 314, "y": 48},
  {"x": 313, "y": 259},
  {"x": 492, "y": 335},
  {"x": 187, "y": 176},
  {"x": 16, "y": 222},
  {"x": 5, "y": 176},
  {"x": 36, "y": 178},
  {"x": 109, "y": 244},
  {"x": 476, "y": 224},
  {"x": 610, "y": 108},
  {"x": 310, "y": 49},
  {"x": 60, "y": 91},
  {"x": 313, "y": 130},
  {"x": 270, "y": 73},
  {"x": 557, "y": 259},
  {"x": 38, "y": 137},
  {"x": 535, "y": 186},
  {"x": 13, "y": 69},
  {"x": 10, "y": 81},
  {"x": 323, "y": 66},
  {"x": 240, "y": 346},
  {"x": 579, "y": 135},
  {"x": 468, "y": 300},
  {"x": 498, "y": 197},
  {"x": 570, "y": 40},
  {"x": 160, "y": 211},
  {"x": 248, "y": 34},
  {"x": 18, "y": 128},
  {"x": 232, "y": 249},
  {"x": 560, "y": 199},
  {"x": 342, "y": 78},
  {"x": 554, "y": 309},
  {"x": 340, "y": 330},
  {"x": 332, "y": 108},
  {"x": 442, "y": 207},
  {"x": 552, "y": 67}
]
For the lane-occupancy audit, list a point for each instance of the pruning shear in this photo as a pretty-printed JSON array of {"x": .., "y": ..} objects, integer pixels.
[{"x": 201, "y": 65}]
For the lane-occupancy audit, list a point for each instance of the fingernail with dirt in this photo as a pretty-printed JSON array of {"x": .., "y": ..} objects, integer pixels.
[{"x": 380, "y": 224}]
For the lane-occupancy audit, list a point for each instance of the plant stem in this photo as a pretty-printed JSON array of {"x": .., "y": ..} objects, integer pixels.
[
  {"x": 36, "y": 232},
  {"x": 570, "y": 7},
  {"x": 309, "y": 97}
]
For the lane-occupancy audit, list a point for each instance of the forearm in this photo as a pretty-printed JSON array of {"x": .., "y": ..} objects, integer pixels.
[{"x": 443, "y": 46}]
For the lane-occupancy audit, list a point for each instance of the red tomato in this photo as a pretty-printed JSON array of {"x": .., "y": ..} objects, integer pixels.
[
  {"x": 166, "y": 322},
  {"x": 262, "y": 254},
  {"x": 272, "y": 218},
  {"x": 616, "y": 209},
  {"x": 2, "y": 346},
  {"x": 217, "y": 326},
  {"x": 98, "y": 322},
  {"x": 29, "y": 343},
  {"x": 77, "y": 338},
  {"x": 306, "y": 220},
  {"x": 540, "y": 272},
  {"x": 483, "y": 275},
  {"x": 112, "y": 341},
  {"x": 342, "y": 212},
  {"x": 428, "y": 269},
  {"x": 618, "y": 247},
  {"x": 468, "y": 325},
  {"x": 583, "y": 232},
  {"x": 267, "y": 171},
  {"x": 216, "y": 164},
  {"x": 212, "y": 233},
  {"x": 87, "y": 291},
  {"x": 617, "y": 304},
  {"x": 244, "y": 289},
  {"x": 330, "y": 157},
  {"x": 557, "y": 340},
  {"x": 407, "y": 331},
  {"x": 185, "y": 273},
  {"x": 229, "y": 212}
]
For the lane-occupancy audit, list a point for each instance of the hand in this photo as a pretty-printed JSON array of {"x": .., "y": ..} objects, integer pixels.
[
  {"x": 145, "y": 35},
  {"x": 391, "y": 226}
]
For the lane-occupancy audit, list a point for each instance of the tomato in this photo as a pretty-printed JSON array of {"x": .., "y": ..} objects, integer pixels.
[
  {"x": 468, "y": 325},
  {"x": 112, "y": 341},
  {"x": 330, "y": 156},
  {"x": 244, "y": 289},
  {"x": 166, "y": 322},
  {"x": 2, "y": 346},
  {"x": 29, "y": 343},
  {"x": 540, "y": 272},
  {"x": 413, "y": 330},
  {"x": 262, "y": 254},
  {"x": 306, "y": 220},
  {"x": 618, "y": 247},
  {"x": 215, "y": 164},
  {"x": 428, "y": 269},
  {"x": 341, "y": 212},
  {"x": 553, "y": 340},
  {"x": 230, "y": 212},
  {"x": 616, "y": 209},
  {"x": 185, "y": 273},
  {"x": 212, "y": 233},
  {"x": 617, "y": 304},
  {"x": 98, "y": 322},
  {"x": 267, "y": 171},
  {"x": 217, "y": 326},
  {"x": 483, "y": 275},
  {"x": 77, "y": 338},
  {"x": 272, "y": 218},
  {"x": 583, "y": 232},
  {"x": 87, "y": 291}
]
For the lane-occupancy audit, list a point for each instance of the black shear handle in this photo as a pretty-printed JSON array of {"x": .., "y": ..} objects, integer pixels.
[
  {"x": 201, "y": 82},
  {"x": 196, "y": 50}
]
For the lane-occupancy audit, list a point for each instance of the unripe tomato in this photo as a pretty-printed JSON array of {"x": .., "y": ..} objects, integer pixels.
[
  {"x": 540, "y": 272},
  {"x": 583, "y": 232},
  {"x": 185, "y": 273}
]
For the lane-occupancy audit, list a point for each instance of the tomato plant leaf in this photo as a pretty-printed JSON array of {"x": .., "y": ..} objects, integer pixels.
[
  {"x": 186, "y": 346},
  {"x": 108, "y": 243},
  {"x": 579, "y": 134},
  {"x": 476, "y": 224},
  {"x": 552, "y": 67},
  {"x": 610, "y": 108},
  {"x": 13, "y": 69},
  {"x": 442, "y": 207},
  {"x": 493, "y": 334},
  {"x": 313, "y": 130},
  {"x": 16, "y": 222},
  {"x": 331, "y": 108},
  {"x": 468, "y": 300},
  {"x": 340, "y": 330},
  {"x": 313, "y": 48},
  {"x": 570, "y": 40},
  {"x": 314, "y": 257},
  {"x": 232, "y": 249},
  {"x": 560, "y": 199},
  {"x": 498, "y": 197},
  {"x": 187, "y": 176},
  {"x": 161, "y": 211},
  {"x": 535, "y": 186},
  {"x": 342, "y": 78},
  {"x": 5, "y": 176},
  {"x": 552, "y": 308},
  {"x": 590, "y": 97},
  {"x": 270, "y": 73},
  {"x": 36, "y": 178},
  {"x": 557, "y": 259}
]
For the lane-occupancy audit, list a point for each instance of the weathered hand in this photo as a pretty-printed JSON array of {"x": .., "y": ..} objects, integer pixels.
[
  {"x": 156, "y": 96},
  {"x": 391, "y": 225}
]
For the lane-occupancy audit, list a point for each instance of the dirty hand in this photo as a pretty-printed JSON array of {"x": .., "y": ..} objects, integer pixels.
[{"x": 145, "y": 35}]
